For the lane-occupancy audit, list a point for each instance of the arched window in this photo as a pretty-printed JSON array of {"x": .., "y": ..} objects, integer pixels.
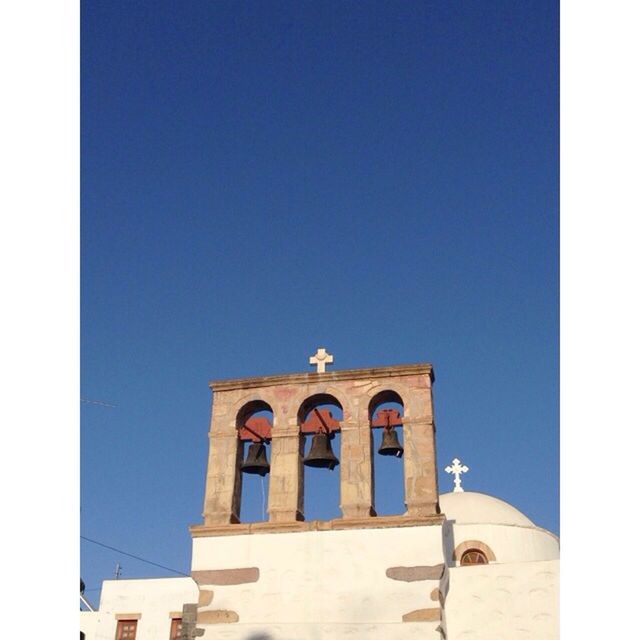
[
  {"x": 471, "y": 552},
  {"x": 254, "y": 423},
  {"x": 319, "y": 418},
  {"x": 473, "y": 556},
  {"x": 386, "y": 411}
]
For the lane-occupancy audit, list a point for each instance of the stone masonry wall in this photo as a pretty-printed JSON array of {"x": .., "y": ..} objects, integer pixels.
[{"x": 353, "y": 389}]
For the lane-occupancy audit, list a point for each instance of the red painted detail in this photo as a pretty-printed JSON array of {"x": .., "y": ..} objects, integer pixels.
[
  {"x": 319, "y": 420},
  {"x": 387, "y": 418},
  {"x": 255, "y": 429},
  {"x": 284, "y": 392}
]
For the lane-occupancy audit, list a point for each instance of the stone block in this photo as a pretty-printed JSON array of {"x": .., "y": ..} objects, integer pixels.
[
  {"x": 422, "y": 615},
  {"x": 217, "y": 616},
  {"x": 413, "y": 574}
]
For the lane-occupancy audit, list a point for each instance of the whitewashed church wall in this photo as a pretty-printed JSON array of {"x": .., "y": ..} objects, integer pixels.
[
  {"x": 331, "y": 580},
  {"x": 89, "y": 621},
  {"x": 325, "y": 631},
  {"x": 509, "y": 543},
  {"x": 503, "y": 602},
  {"x": 153, "y": 599}
]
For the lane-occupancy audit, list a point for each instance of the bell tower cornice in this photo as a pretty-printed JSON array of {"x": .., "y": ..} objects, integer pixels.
[{"x": 367, "y": 373}]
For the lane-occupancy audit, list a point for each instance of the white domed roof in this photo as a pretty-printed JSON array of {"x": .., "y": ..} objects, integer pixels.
[{"x": 470, "y": 507}]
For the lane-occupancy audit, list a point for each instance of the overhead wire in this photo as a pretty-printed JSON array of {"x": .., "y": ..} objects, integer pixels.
[
  {"x": 131, "y": 555},
  {"x": 99, "y": 402}
]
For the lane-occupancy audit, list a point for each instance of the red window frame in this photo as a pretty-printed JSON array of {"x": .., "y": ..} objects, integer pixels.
[
  {"x": 127, "y": 630},
  {"x": 176, "y": 627}
]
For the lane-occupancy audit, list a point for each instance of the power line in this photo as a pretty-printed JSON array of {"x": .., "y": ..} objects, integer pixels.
[
  {"x": 155, "y": 564},
  {"x": 102, "y": 404}
]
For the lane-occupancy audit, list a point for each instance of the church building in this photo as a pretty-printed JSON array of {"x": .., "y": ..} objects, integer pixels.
[{"x": 459, "y": 565}]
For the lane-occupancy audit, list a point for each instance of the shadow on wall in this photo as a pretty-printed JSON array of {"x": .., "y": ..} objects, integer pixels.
[
  {"x": 449, "y": 544},
  {"x": 260, "y": 636}
]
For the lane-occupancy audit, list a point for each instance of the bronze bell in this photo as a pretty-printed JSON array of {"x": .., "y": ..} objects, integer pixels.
[
  {"x": 320, "y": 454},
  {"x": 390, "y": 445},
  {"x": 256, "y": 460}
]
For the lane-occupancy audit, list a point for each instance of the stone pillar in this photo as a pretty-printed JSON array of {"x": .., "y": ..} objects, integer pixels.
[
  {"x": 286, "y": 479},
  {"x": 420, "y": 473},
  {"x": 224, "y": 479},
  {"x": 356, "y": 476}
]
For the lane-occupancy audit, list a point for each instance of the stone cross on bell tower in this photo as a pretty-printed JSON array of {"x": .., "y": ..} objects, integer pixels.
[{"x": 320, "y": 359}]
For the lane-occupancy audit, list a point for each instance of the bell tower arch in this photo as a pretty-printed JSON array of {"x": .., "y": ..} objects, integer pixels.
[{"x": 293, "y": 399}]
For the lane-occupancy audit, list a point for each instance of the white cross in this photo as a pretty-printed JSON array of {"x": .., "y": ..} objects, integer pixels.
[
  {"x": 320, "y": 359},
  {"x": 457, "y": 469}
]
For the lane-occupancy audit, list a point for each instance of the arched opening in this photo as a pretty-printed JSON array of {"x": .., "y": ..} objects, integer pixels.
[
  {"x": 254, "y": 423},
  {"x": 386, "y": 412},
  {"x": 473, "y": 556},
  {"x": 319, "y": 418},
  {"x": 472, "y": 552}
]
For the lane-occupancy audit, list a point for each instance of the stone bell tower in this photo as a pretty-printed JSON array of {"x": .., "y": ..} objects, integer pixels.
[
  {"x": 288, "y": 396},
  {"x": 282, "y": 562}
]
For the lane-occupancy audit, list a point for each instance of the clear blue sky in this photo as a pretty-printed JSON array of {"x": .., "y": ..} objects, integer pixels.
[{"x": 261, "y": 178}]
